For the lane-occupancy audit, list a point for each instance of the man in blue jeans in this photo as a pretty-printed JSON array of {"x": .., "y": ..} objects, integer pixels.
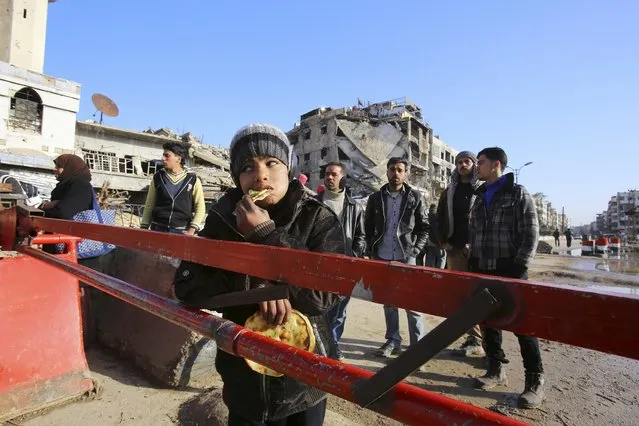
[
  {"x": 504, "y": 232},
  {"x": 351, "y": 217},
  {"x": 396, "y": 224}
]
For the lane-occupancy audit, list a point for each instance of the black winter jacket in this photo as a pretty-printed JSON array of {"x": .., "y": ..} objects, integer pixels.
[
  {"x": 73, "y": 196},
  {"x": 352, "y": 221},
  {"x": 299, "y": 222},
  {"x": 413, "y": 226}
]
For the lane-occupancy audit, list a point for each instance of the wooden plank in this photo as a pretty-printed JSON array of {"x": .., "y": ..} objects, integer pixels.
[{"x": 577, "y": 316}]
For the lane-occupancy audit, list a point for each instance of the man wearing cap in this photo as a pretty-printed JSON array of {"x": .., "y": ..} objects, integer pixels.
[
  {"x": 287, "y": 217},
  {"x": 453, "y": 215}
]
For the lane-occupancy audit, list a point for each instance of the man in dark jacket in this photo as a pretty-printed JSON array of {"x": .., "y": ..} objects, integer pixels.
[
  {"x": 397, "y": 228},
  {"x": 453, "y": 219},
  {"x": 568, "y": 234},
  {"x": 351, "y": 217},
  {"x": 434, "y": 255},
  {"x": 288, "y": 217},
  {"x": 504, "y": 233}
]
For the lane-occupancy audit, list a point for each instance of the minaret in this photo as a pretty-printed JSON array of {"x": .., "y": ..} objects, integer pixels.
[{"x": 23, "y": 32}]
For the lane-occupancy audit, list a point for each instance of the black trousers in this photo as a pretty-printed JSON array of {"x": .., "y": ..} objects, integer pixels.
[
  {"x": 528, "y": 345},
  {"x": 313, "y": 416}
]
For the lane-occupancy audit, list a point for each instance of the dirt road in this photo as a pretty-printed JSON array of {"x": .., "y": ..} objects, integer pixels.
[{"x": 583, "y": 387}]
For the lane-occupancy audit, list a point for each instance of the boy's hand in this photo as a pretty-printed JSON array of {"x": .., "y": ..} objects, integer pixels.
[
  {"x": 248, "y": 215},
  {"x": 276, "y": 312}
]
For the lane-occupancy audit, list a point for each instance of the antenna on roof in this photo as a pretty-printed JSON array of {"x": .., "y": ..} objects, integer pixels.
[{"x": 105, "y": 105}]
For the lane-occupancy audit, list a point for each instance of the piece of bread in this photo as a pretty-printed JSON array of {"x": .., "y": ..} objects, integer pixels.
[
  {"x": 258, "y": 195},
  {"x": 297, "y": 332}
]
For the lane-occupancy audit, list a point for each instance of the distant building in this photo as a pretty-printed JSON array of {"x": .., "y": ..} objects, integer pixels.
[
  {"x": 126, "y": 159},
  {"x": 364, "y": 138},
  {"x": 37, "y": 112},
  {"x": 443, "y": 164}
]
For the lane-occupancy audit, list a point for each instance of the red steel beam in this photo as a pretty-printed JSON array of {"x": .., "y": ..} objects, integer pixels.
[
  {"x": 405, "y": 403},
  {"x": 581, "y": 317}
]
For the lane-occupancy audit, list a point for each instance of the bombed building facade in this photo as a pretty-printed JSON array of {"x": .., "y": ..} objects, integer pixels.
[
  {"x": 364, "y": 138},
  {"x": 125, "y": 160}
]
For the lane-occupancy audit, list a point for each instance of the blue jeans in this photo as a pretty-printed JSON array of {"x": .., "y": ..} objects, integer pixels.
[
  {"x": 337, "y": 317},
  {"x": 416, "y": 329},
  {"x": 162, "y": 228},
  {"x": 435, "y": 257}
]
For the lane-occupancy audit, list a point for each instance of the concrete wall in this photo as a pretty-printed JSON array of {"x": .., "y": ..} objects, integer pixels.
[
  {"x": 94, "y": 137},
  {"x": 60, "y": 104},
  {"x": 23, "y": 27},
  {"x": 121, "y": 143},
  {"x": 175, "y": 356}
]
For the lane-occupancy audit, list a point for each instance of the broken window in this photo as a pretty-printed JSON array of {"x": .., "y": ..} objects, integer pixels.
[
  {"x": 324, "y": 152},
  {"x": 25, "y": 111},
  {"x": 307, "y": 156},
  {"x": 109, "y": 162},
  {"x": 101, "y": 161},
  {"x": 150, "y": 167},
  {"x": 126, "y": 166},
  {"x": 442, "y": 154},
  {"x": 323, "y": 129},
  {"x": 322, "y": 172},
  {"x": 307, "y": 134},
  {"x": 342, "y": 155}
]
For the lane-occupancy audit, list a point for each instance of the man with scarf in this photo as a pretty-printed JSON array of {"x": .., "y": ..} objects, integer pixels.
[
  {"x": 351, "y": 216},
  {"x": 453, "y": 215}
]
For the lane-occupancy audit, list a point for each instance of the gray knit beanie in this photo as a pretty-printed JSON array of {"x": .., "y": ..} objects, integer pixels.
[
  {"x": 257, "y": 140},
  {"x": 466, "y": 154}
]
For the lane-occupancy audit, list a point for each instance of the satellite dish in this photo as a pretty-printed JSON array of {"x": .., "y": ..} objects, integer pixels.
[{"x": 105, "y": 105}]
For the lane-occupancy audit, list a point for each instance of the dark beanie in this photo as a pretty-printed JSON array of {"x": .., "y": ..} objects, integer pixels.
[
  {"x": 466, "y": 154},
  {"x": 258, "y": 140}
]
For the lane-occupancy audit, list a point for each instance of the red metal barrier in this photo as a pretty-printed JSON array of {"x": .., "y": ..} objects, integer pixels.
[
  {"x": 577, "y": 316},
  {"x": 42, "y": 360},
  {"x": 405, "y": 403}
]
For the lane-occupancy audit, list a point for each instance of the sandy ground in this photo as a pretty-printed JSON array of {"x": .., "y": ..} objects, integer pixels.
[{"x": 583, "y": 387}]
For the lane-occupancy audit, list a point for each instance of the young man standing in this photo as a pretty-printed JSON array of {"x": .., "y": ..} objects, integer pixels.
[
  {"x": 396, "y": 224},
  {"x": 504, "y": 233},
  {"x": 453, "y": 218},
  {"x": 288, "y": 217},
  {"x": 175, "y": 201},
  {"x": 351, "y": 217}
]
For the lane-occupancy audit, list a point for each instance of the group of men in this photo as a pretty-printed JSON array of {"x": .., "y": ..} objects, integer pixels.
[
  {"x": 489, "y": 228},
  {"x": 484, "y": 223}
]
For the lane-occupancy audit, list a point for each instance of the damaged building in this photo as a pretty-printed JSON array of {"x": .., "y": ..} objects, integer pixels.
[
  {"x": 364, "y": 138},
  {"x": 125, "y": 160}
]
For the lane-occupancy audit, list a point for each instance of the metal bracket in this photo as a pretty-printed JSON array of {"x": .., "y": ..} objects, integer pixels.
[
  {"x": 246, "y": 297},
  {"x": 476, "y": 310}
]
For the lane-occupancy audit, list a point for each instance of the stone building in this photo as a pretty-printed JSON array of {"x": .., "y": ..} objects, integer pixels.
[
  {"x": 37, "y": 112},
  {"x": 364, "y": 138},
  {"x": 443, "y": 164},
  {"x": 126, "y": 159}
]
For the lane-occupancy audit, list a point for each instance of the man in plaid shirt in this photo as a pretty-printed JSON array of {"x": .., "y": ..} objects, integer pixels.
[{"x": 503, "y": 239}]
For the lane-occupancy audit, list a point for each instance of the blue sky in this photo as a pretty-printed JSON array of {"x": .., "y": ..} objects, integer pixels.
[{"x": 553, "y": 82}]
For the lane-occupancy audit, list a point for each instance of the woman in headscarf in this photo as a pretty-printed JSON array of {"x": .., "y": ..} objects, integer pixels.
[{"x": 73, "y": 193}]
